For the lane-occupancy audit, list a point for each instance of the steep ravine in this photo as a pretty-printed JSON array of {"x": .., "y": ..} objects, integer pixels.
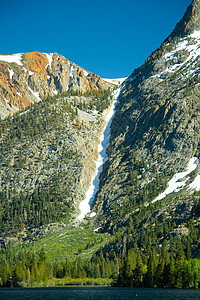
[{"x": 85, "y": 205}]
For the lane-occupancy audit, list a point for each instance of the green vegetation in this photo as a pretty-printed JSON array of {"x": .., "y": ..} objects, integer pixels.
[
  {"x": 147, "y": 253},
  {"x": 141, "y": 184},
  {"x": 163, "y": 271},
  {"x": 69, "y": 241},
  {"x": 68, "y": 261},
  {"x": 43, "y": 140},
  {"x": 30, "y": 269},
  {"x": 41, "y": 160},
  {"x": 148, "y": 244},
  {"x": 129, "y": 259}
]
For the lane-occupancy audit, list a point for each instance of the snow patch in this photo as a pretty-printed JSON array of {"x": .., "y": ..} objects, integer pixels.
[
  {"x": 72, "y": 71},
  {"x": 11, "y": 73},
  {"x": 36, "y": 94},
  {"x": 12, "y": 58},
  {"x": 48, "y": 79},
  {"x": 195, "y": 35},
  {"x": 85, "y": 73},
  {"x": 95, "y": 112},
  {"x": 195, "y": 185},
  {"x": 193, "y": 50},
  {"x": 116, "y": 81},
  {"x": 19, "y": 94},
  {"x": 50, "y": 59},
  {"x": 97, "y": 229},
  {"x": 177, "y": 182},
  {"x": 92, "y": 215},
  {"x": 25, "y": 112},
  {"x": 85, "y": 205}
]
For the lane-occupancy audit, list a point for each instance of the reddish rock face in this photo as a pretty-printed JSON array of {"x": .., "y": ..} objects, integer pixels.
[{"x": 36, "y": 75}]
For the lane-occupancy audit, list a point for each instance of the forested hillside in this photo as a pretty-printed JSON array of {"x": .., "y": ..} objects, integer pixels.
[{"x": 47, "y": 160}]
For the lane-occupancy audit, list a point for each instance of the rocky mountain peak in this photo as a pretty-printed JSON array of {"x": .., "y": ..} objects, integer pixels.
[
  {"x": 190, "y": 21},
  {"x": 156, "y": 128},
  {"x": 26, "y": 78}
]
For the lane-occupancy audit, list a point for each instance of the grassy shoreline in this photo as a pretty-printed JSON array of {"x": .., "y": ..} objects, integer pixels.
[{"x": 67, "y": 282}]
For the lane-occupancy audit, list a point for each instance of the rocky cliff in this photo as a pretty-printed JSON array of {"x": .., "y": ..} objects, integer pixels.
[
  {"x": 155, "y": 132},
  {"x": 190, "y": 21},
  {"x": 29, "y": 77}
]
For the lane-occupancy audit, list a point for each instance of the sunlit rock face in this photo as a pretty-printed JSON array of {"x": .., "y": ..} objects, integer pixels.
[
  {"x": 156, "y": 129},
  {"x": 29, "y": 77}
]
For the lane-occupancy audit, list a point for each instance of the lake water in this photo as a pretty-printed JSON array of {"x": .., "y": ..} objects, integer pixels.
[{"x": 101, "y": 293}]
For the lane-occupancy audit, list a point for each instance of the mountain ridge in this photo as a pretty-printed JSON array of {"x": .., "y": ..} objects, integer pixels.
[
  {"x": 146, "y": 212},
  {"x": 27, "y": 78},
  {"x": 155, "y": 131}
]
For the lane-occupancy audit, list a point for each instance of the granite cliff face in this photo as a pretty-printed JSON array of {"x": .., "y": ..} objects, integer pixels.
[
  {"x": 190, "y": 22},
  {"x": 156, "y": 129},
  {"x": 27, "y": 78}
]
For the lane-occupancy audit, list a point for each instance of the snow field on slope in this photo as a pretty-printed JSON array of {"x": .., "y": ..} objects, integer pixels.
[
  {"x": 11, "y": 73},
  {"x": 184, "y": 44},
  {"x": 116, "y": 81},
  {"x": 72, "y": 72},
  {"x": 85, "y": 205},
  {"x": 177, "y": 182},
  {"x": 36, "y": 94},
  {"x": 50, "y": 59},
  {"x": 85, "y": 73},
  {"x": 195, "y": 185},
  {"x": 12, "y": 58}
]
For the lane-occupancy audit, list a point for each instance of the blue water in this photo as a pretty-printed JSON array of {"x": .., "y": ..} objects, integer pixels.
[{"x": 101, "y": 293}]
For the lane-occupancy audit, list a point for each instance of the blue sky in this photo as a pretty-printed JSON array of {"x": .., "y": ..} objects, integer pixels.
[{"x": 108, "y": 37}]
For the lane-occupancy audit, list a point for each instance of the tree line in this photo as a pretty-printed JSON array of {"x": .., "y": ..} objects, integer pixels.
[{"x": 163, "y": 271}]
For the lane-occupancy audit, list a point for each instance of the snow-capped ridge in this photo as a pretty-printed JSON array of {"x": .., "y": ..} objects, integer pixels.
[{"x": 12, "y": 58}]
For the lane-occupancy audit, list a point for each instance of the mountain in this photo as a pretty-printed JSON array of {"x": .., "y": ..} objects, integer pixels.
[
  {"x": 27, "y": 78},
  {"x": 52, "y": 114},
  {"x": 152, "y": 173},
  {"x": 143, "y": 230}
]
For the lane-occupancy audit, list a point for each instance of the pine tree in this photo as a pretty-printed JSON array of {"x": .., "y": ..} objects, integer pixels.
[
  {"x": 151, "y": 269},
  {"x": 138, "y": 272}
]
